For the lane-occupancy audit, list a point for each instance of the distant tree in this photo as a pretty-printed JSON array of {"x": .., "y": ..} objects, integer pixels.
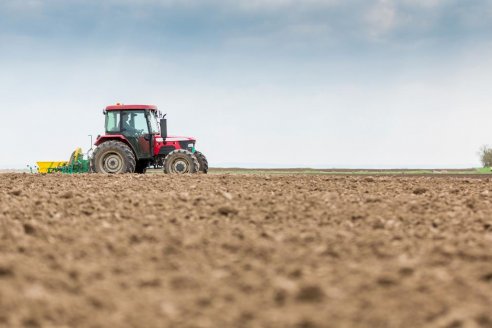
[{"x": 485, "y": 154}]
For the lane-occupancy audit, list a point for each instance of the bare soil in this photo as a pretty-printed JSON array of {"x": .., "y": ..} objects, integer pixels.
[{"x": 245, "y": 251}]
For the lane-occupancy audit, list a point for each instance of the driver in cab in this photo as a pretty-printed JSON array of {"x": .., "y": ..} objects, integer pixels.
[{"x": 129, "y": 124}]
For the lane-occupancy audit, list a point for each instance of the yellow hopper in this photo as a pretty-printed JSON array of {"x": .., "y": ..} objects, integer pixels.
[{"x": 47, "y": 167}]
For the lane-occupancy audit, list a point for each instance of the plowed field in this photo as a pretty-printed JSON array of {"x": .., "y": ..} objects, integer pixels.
[{"x": 245, "y": 251}]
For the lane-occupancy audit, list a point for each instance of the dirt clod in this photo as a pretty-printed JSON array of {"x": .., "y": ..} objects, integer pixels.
[
  {"x": 6, "y": 270},
  {"x": 227, "y": 210},
  {"x": 16, "y": 192},
  {"x": 420, "y": 191},
  {"x": 29, "y": 229},
  {"x": 67, "y": 195},
  {"x": 310, "y": 293},
  {"x": 487, "y": 277}
]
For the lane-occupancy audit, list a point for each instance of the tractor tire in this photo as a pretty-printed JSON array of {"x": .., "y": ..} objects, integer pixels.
[
  {"x": 141, "y": 167},
  {"x": 180, "y": 161},
  {"x": 113, "y": 157},
  {"x": 202, "y": 160}
]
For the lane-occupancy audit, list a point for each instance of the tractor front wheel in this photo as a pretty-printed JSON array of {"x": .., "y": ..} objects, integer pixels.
[
  {"x": 202, "y": 160},
  {"x": 181, "y": 161},
  {"x": 113, "y": 157}
]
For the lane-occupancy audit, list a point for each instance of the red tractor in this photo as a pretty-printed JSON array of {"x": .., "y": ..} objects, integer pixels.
[{"x": 136, "y": 137}]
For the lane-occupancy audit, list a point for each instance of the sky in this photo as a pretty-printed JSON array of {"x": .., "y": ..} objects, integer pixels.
[{"x": 258, "y": 83}]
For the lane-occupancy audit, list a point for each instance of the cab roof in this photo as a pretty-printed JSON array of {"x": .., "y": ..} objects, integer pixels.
[{"x": 130, "y": 107}]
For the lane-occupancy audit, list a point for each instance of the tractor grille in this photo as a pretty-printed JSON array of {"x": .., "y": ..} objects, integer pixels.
[
  {"x": 184, "y": 145},
  {"x": 166, "y": 150}
]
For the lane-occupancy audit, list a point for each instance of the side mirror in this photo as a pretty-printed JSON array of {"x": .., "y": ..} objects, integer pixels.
[{"x": 164, "y": 128}]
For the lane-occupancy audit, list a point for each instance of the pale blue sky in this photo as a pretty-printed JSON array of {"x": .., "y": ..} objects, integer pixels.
[{"x": 389, "y": 83}]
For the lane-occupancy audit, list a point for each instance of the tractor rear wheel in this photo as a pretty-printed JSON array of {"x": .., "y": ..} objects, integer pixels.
[
  {"x": 202, "y": 160},
  {"x": 113, "y": 157},
  {"x": 181, "y": 161}
]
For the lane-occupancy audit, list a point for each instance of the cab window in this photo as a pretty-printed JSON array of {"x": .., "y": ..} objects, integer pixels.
[
  {"x": 134, "y": 122},
  {"x": 154, "y": 125},
  {"x": 112, "y": 121}
]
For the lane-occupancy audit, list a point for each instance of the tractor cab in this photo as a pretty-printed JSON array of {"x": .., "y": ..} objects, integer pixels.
[
  {"x": 138, "y": 126},
  {"x": 137, "y": 137}
]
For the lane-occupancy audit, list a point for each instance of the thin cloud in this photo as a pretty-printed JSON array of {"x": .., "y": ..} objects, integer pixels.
[
  {"x": 381, "y": 18},
  {"x": 216, "y": 22}
]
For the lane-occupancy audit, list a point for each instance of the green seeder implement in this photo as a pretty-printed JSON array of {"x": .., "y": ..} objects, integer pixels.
[{"x": 78, "y": 163}]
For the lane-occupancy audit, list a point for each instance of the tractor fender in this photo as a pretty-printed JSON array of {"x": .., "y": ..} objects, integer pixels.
[{"x": 117, "y": 137}]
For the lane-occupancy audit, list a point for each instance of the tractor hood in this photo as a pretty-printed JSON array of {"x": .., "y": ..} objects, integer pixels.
[
  {"x": 174, "y": 142},
  {"x": 176, "y": 138}
]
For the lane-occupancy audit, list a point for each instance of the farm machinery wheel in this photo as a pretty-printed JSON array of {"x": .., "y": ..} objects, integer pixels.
[
  {"x": 202, "y": 160},
  {"x": 181, "y": 161},
  {"x": 113, "y": 157}
]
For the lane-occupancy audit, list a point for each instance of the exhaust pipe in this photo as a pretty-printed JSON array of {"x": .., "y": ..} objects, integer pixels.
[{"x": 164, "y": 128}]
